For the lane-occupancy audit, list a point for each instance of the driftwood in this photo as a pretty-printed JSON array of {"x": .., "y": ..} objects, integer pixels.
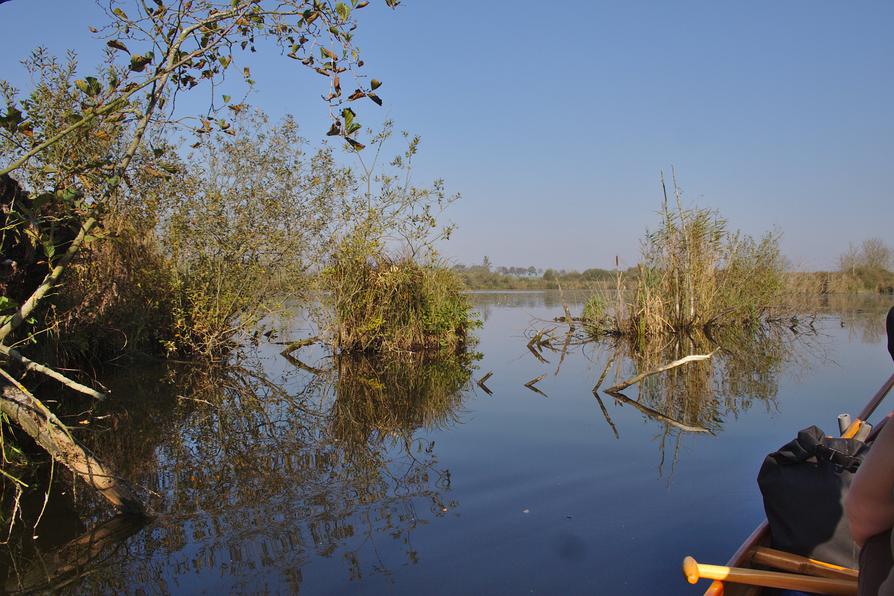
[
  {"x": 637, "y": 378},
  {"x": 27, "y": 412},
  {"x": 76, "y": 558}
]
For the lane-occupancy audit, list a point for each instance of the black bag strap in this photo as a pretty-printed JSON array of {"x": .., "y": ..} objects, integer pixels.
[{"x": 813, "y": 443}]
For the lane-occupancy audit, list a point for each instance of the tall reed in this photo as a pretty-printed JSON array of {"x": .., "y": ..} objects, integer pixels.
[{"x": 696, "y": 274}]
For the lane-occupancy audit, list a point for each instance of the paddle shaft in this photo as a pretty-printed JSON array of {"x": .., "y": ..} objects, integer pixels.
[
  {"x": 869, "y": 409},
  {"x": 778, "y": 559},
  {"x": 695, "y": 571}
]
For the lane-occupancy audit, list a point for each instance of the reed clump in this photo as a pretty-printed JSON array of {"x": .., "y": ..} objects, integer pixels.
[
  {"x": 385, "y": 304},
  {"x": 696, "y": 274}
]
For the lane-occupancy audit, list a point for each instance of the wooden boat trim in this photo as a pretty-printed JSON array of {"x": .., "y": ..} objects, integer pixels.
[{"x": 742, "y": 556}]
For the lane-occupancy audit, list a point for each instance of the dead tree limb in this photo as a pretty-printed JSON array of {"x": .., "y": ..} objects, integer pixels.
[
  {"x": 30, "y": 365},
  {"x": 48, "y": 283},
  {"x": 637, "y": 378},
  {"x": 29, "y": 413}
]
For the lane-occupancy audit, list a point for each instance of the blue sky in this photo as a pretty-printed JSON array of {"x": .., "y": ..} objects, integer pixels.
[{"x": 554, "y": 119}]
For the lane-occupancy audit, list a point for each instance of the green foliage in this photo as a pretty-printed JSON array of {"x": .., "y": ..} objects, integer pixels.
[
  {"x": 386, "y": 303},
  {"x": 696, "y": 274},
  {"x": 117, "y": 300},
  {"x": 479, "y": 277},
  {"x": 594, "y": 310},
  {"x": 391, "y": 305},
  {"x": 252, "y": 215}
]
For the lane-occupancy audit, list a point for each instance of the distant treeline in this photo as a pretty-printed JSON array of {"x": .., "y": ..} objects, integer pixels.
[
  {"x": 485, "y": 277},
  {"x": 478, "y": 277}
]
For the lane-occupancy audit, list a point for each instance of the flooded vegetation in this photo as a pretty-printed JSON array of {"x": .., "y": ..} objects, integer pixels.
[{"x": 386, "y": 473}]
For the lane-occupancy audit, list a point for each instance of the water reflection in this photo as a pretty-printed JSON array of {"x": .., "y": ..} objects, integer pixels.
[
  {"x": 251, "y": 480},
  {"x": 743, "y": 370},
  {"x": 373, "y": 475},
  {"x": 740, "y": 368}
]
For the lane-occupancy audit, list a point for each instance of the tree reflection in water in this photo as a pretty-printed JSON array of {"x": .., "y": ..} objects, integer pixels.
[
  {"x": 251, "y": 479},
  {"x": 699, "y": 396}
]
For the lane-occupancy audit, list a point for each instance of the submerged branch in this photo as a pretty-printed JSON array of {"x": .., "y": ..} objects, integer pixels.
[
  {"x": 481, "y": 382},
  {"x": 298, "y": 344},
  {"x": 76, "y": 558}
]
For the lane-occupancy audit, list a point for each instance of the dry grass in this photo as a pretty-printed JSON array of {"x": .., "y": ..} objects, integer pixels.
[
  {"x": 695, "y": 274},
  {"x": 392, "y": 305}
]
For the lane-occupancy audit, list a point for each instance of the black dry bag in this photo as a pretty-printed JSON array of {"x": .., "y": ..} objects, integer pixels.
[{"x": 804, "y": 485}]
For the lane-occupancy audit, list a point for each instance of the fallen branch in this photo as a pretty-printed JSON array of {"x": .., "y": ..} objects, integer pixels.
[
  {"x": 29, "y": 413},
  {"x": 30, "y": 365},
  {"x": 637, "y": 378},
  {"x": 48, "y": 283}
]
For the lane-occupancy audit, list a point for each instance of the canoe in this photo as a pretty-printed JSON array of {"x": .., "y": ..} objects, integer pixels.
[
  {"x": 745, "y": 555},
  {"x": 743, "y": 558},
  {"x": 755, "y": 564}
]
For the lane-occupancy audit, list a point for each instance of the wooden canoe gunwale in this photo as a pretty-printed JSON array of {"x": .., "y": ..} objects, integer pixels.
[{"x": 742, "y": 558}]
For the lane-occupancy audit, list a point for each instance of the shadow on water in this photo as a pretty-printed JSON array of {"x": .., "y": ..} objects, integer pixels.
[{"x": 255, "y": 479}]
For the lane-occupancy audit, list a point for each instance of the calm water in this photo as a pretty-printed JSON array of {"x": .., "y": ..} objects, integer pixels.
[{"x": 406, "y": 477}]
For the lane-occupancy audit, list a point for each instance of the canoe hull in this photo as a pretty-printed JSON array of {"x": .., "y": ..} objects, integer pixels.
[{"x": 742, "y": 558}]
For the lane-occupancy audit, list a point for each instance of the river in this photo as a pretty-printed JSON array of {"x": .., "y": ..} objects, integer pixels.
[{"x": 408, "y": 477}]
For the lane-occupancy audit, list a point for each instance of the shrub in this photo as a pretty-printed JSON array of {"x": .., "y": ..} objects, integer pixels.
[
  {"x": 386, "y": 305},
  {"x": 696, "y": 274}
]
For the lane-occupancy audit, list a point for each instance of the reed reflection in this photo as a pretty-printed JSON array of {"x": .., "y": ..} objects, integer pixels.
[{"x": 252, "y": 480}]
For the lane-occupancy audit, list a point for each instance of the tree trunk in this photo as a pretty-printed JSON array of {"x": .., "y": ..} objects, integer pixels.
[{"x": 47, "y": 430}]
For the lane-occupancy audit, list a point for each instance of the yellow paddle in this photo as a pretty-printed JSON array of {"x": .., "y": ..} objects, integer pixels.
[{"x": 694, "y": 571}]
